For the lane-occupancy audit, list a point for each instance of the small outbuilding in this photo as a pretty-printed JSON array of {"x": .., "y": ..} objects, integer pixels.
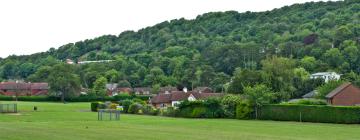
[{"x": 346, "y": 95}]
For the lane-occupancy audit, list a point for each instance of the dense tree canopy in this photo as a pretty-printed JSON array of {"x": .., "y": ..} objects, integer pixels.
[{"x": 225, "y": 50}]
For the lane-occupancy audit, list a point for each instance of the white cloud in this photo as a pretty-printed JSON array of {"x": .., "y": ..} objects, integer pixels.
[{"x": 30, "y": 26}]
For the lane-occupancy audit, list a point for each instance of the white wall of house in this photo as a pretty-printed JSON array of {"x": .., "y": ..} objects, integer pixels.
[
  {"x": 174, "y": 103},
  {"x": 327, "y": 76},
  {"x": 191, "y": 98}
]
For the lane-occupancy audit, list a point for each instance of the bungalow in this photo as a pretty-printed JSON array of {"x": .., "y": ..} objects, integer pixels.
[
  {"x": 142, "y": 91},
  {"x": 175, "y": 97},
  {"x": 203, "y": 90},
  {"x": 167, "y": 89},
  {"x": 346, "y": 95},
  {"x": 327, "y": 76},
  {"x": 23, "y": 89},
  {"x": 113, "y": 89}
]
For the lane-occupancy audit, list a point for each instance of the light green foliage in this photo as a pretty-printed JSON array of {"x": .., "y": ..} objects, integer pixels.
[
  {"x": 244, "y": 110},
  {"x": 229, "y": 103},
  {"x": 258, "y": 95},
  {"x": 325, "y": 89},
  {"x": 99, "y": 88},
  {"x": 63, "y": 81}
]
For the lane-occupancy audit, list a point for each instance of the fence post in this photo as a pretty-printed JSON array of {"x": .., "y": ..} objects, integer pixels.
[{"x": 300, "y": 117}]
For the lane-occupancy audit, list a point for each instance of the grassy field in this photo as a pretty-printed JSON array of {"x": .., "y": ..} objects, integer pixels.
[{"x": 58, "y": 121}]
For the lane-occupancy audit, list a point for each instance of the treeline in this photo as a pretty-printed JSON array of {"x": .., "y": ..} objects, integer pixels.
[{"x": 224, "y": 50}]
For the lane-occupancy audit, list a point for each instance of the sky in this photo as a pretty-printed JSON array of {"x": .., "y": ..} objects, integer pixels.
[{"x": 30, "y": 26}]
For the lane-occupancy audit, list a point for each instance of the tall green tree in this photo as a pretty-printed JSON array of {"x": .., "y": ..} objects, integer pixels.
[{"x": 63, "y": 80}]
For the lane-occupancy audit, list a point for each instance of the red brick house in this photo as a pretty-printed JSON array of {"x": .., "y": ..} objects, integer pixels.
[
  {"x": 346, "y": 95},
  {"x": 175, "y": 97},
  {"x": 24, "y": 89}
]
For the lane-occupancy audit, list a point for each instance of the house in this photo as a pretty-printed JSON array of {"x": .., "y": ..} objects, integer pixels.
[
  {"x": 346, "y": 95},
  {"x": 126, "y": 90},
  {"x": 111, "y": 89},
  {"x": 175, "y": 97},
  {"x": 203, "y": 90},
  {"x": 23, "y": 89},
  {"x": 327, "y": 76},
  {"x": 167, "y": 89},
  {"x": 142, "y": 91}
]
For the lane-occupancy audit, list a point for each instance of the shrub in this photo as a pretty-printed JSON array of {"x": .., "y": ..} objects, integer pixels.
[
  {"x": 113, "y": 105},
  {"x": 229, "y": 103},
  {"x": 122, "y": 96},
  {"x": 311, "y": 113},
  {"x": 169, "y": 111},
  {"x": 126, "y": 104},
  {"x": 94, "y": 106},
  {"x": 325, "y": 89},
  {"x": 135, "y": 108},
  {"x": 243, "y": 110},
  {"x": 150, "y": 110},
  {"x": 199, "y": 112},
  {"x": 308, "y": 102}
]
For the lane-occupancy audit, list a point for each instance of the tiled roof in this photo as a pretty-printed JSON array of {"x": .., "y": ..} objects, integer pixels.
[
  {"x": 181, "y": 95},
  {"x": 23, "y": 86},
  {"x": 337, "y": 90}
]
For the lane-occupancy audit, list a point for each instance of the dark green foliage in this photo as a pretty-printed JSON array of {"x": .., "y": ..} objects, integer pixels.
[
  {"x": 325, "y": 89},
  {"x": 229, "y": 103},
  {"x": 135, "y": 108},
  {"x": 310, "y": 113},
  {"x": 94, "y": 106},
  {"x": 126, "y": 105},
  {"x": 150, "y": 110},
  {"x": 309, "y": 102},
  {"x": 244, "y": 110},
  {"x": 210, "y": 108},
  {"x": 266, "y": 47}
]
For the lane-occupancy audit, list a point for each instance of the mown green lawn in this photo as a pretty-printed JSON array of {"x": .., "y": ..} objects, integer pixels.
[{"x": 73, "y": 121}]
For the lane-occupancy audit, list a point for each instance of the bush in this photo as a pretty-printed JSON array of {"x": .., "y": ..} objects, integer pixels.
[
  {"x": 126, "y": 104},
  {"x": 169, "y": 111},
  {"x": 94, "y": 106},
  {"x": 311, "y": 113},
  {"x": 199, "y": 112},
  {"x": 150, "y": 110},
  {"x": 229, "y": 103},
  {"x": 210, "y": 108},
  {"x": 243, "y": 110},
  {"x": 309, "y": 102},
  {"x": 135, "y": 108}
]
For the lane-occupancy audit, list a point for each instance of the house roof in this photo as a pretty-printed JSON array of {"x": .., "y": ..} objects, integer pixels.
[
  {"x": 168, "y": 88},
  {"x": 310, "y": 94},
  {"x": 23, "y": 86},
  {"x": 201, "y": 89},
  {"x": 181, "y": 95},
  {"x": 39, "y": 86},
  {"x": 338, "y": 90},
  {"x": 111, "y": 86},
  {"x": 142, "y": 89}
]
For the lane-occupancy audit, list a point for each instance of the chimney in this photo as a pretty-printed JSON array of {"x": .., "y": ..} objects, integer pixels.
[{"x": 185, "y": 89}]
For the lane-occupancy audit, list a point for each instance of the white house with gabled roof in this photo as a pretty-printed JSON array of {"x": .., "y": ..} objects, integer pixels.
[{"x": 327, "y": 76}]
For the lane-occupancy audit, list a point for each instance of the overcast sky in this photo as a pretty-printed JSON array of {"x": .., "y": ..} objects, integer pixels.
[{"x": 30, "y": 26}]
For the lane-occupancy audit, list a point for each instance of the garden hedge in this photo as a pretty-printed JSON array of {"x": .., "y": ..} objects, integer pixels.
[{"x": 311, "y": 113}]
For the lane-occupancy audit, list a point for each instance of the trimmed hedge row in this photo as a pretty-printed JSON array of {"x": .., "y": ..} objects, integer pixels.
[
  {"x": 73, "y": 99},
  {"x": 311, "y": 113}
]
